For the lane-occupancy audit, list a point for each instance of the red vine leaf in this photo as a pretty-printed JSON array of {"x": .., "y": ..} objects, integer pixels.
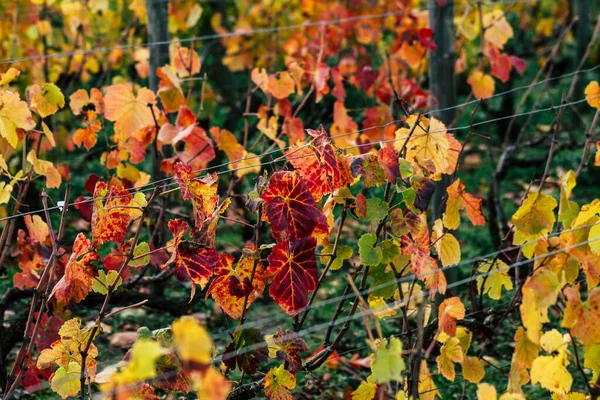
[
  {"x": 291, "y": 209},
  {"x": 192, "y": 261},
  {"x": 295, "y": 269}
]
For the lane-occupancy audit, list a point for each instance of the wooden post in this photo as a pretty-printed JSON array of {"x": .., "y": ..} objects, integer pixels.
[
  {"x": 441, "y": 77},
  {"x": 158, "y": 32},
  {"x": 583, "y": 29}
]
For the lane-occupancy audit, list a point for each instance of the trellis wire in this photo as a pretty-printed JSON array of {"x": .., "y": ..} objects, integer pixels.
[{"x": 150, "y": 186}]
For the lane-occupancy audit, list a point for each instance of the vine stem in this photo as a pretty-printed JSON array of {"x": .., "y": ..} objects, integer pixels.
[
  {"x": 40, "y": 295},
  {"x": 111, "y": 289},
  {"x": 255, "y": 265},
  {"x": 332, "y": 257}
]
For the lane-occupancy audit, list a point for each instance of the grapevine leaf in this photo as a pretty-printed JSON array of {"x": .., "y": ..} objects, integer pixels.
[
  {"x": 291, "y": 208},
  {"x": 290, "y": 344},
  {"x": 483, "y": 85},
  {"x": 583, "y": 318},
  {"x": 45, "y": 168},
  {"x": 130, "y": 113},
  {"x": 77, "y": 280},
  {"x": 450, "y": 311},
  {"x": 459, "y": 199},
  {"x": 232, "y": 285},
  {"x": 141, "y": 256},
  {"x": 497, "y": 277},
  {"x": 192, "y": 261},
  {"x": 294, "y": 267},
  {"x": 535, "y": 214},
  {"x": 377, "y": 209},
  {"x": 366, "y": 390},
  {"x": 14, "y": 114},
  {"x": 450, "y": 353},
  {"x": 592, "y": 94},
  {"x": 247, "y": 351},
  {"x": 193, "y": 343},
  {"x": 65, "y": 381},
  {"x": 201, "y": 191},
  {"x": 101, "y": 283},
  {"x": 369, "y": 255},
  {"x": 472, "y": 369},
  {"x": 387, "y": 362},
  {"x": 445, "y": 244},
  {"x": 46, "y": 100},
  {"x": 278, "y": 383}
]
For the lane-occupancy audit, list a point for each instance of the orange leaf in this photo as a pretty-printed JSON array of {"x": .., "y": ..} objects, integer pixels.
[
  {"x": 232, "y": 285},
  {"x": 459, "y": 199},
  {"x": 451, "y": 310},
  {"x": 482, "y": 84},
  {"x": 281, "y": 86},
  {"x": 130, "y": 113}
]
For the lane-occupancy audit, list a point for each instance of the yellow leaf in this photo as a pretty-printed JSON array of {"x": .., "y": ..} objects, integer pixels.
[
  {"x": 278, "y": 383},
  {"x": 14, "y": 114},
  {"x": 567, "y": 210},
  {"x": 587, "y": 212},
  {"x": 141, "y": 366},
  {"x": 446, "y": 245},
  {"x": 45, "y": 168},
  {"x": 427, "y": 386},
  {"x": 594, "y": 239},
  {"x": 66, "y": 380},
  {"x": 551, "y": 373},
  {"x": 552, "y": 341},
  {"x": 211, "y": 385},
  {"x": 526, "y": 350},
  {"x": 450, "y": 353},
  {"x": 366, "y": 390},
  {"x": 497, "y": 277},
  {"x": 483, "y": 85},
  {"x": 486, "y": 391},
  {"x": 193, "y": 343},
  {"x": 48, "y": 133},
  {"x": 472, "y": 369},
  {"x": 497, "y": 28},
  {"x": 592, "y": 94},
  {"x": 5, "y": 192},
  {"x": 429, "y": 146},
  {"x": 141, "y": 255},
  {"x": 535, "y": 214},
  {"x": 101, "y": 283},
  {"x": 540, "y": 291},
  {"x": 10, "y": 75}
]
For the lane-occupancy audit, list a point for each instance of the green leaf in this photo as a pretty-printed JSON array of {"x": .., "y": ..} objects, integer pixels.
[
  {"x": 381, "y": 277},
  {"x": 406, "y": 170},
  {"x": 409, "y": 196},
  {"x": 101, "y": 283},
  {"x": 369, "y": 255},
  {"x": 387, "y": 364},
  {"x": 343, "y": 253},
  {"x": 390, "y": 251},
  {"x": 140, "y": 249},
  {"x": 377, "y": 209}
]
